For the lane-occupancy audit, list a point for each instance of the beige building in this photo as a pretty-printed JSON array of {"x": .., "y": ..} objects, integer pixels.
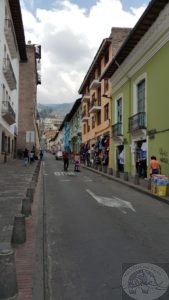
[
  {"x": 96, "y": 125},
  {"x": 28, "y": 136}
]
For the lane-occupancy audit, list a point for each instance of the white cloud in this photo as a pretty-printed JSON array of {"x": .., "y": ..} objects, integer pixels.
[{"x": 70, "y": 37}]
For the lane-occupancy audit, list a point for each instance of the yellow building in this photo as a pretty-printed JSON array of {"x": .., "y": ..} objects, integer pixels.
[{"x": 96, "y": 124}]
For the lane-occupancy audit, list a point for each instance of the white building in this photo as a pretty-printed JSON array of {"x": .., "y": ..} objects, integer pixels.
[{"x": 12, "y": 51}]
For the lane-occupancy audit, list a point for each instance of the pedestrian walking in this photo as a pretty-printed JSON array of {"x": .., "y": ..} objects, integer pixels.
[
  {"x": 31, "y": 157},
  {"x": 41, "y": 154},
  {"x": 77, "y": 162},
  {"x": 26, "y": 156},
  {"x": 66, "y": 160}
]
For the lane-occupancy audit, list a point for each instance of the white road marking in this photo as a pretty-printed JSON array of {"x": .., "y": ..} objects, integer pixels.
[
  {"x": 112, "y": 202},
  {"x": 64, "y": 174}
]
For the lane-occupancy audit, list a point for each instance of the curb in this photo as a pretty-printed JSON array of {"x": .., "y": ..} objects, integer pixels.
[{"x": 130, "y": 185}]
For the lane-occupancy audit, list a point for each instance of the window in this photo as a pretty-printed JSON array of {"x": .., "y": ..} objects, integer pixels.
[
  {"x": 141, "y": 96},
  {"x": 84, "y": 129},
  {"x": 98, "y": 117},
  {"x": 3, "y": 142},
  {"x": 106, "y": 112},
  {"x": 93, "y": 122},
  {"x": 30, "y": 136},
  {"x": 7, "y": 98},
  {"x": 99, "y": 96},
  {"x": 3, "y": 93},
  {"x": 119, "y": 110},
  {"x": 9, "y": 144},
  {"x": 106, "y": 85}
]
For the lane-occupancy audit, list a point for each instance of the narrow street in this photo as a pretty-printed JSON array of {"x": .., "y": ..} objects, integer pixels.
[{"x": 94, "y": 226}]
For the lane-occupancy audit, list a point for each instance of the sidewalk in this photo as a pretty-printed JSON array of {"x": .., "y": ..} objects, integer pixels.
[
  {"x": 141, "y": 186},
  {"x": 17, "y": 182}
]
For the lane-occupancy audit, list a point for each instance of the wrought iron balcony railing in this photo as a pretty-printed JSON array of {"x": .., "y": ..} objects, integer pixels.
[
  {"x": 137, "y": 121},
  {"x": 117, "y": 130},
  {"x": 9, "y": 73},
  {"x": 10, "y": 37},
  {"x": 85, "y": 116},
  {"x": 8, "y": 113},
  {"x": 95, "y": 105}
]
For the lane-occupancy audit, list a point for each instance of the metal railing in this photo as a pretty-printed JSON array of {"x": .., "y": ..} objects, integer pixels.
[
  {"x": 8, "y": 112},
  {"x": 137, "y": 121},
  {"x": 9, "y": 73},
  {"x": 117, "y": 129}
]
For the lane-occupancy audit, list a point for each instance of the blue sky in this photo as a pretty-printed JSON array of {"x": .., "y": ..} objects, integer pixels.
[
  {"x": 47, "y": 4},
  {"x": 70, "y": 33}
]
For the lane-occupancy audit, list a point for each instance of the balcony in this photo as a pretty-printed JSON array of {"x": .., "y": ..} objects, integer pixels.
[
  {"x": 85, "y": 117},
  {"x": 137, "y": 122},
  {"x": 95, "y": 84},
  {"x": 117, "y": 130},
  {"x": 95, "y": 106},
  {"x": 38, "y": 78},
  {"x": 15, "y": 130},
  {"x": 9, "y": 74},
  {"x": 10, "y": 37},
  {"x": 8, "y": 113},
  {"x": 86, "y": 98}
]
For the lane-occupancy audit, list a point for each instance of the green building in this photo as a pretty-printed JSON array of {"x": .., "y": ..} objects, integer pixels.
[{"x": 139, "y": 76}]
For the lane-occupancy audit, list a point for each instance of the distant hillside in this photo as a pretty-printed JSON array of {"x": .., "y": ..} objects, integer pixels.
[{"x": 50, "y": 110}]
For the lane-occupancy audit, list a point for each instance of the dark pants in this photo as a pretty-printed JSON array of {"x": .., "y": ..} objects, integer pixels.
[{"x": 66, "y": 164}]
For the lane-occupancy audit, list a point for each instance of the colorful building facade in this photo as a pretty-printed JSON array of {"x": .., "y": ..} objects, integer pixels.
[
  {"x": 96, "y": 125},
  {"x": 140, "y": 94}
]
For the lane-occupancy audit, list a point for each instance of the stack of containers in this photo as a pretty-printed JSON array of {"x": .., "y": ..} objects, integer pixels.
[{"x": 159, "y": 184}]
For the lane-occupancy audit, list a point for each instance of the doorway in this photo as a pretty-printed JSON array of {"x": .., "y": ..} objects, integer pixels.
[
  {"x": 141, "y": 158},
  {"x": 120, "y": 158}
]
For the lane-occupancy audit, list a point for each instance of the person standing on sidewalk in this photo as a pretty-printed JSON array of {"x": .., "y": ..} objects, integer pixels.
[
  {"x": 66, "y": 160},
  {"x": 41, "y": 154},
  {"x": 155, "y": 167},
  {"x": 26, "y": 156}
]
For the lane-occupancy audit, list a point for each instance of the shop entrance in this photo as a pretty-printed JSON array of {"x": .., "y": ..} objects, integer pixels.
[
  {"x": 141, "y": 158},
  {"x": 120, "y": 158}
]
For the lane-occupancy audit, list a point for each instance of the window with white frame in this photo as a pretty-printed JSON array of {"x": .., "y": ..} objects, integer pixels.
[
  {"x": 119, "y": 110},
  {"x": 3, "y": 92},
  {"x": 141, "y": 96}
]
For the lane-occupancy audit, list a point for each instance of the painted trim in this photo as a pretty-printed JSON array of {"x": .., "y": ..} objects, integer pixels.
[
  {"x": 120, "y": 96},
  {"x": 135, "y": 83}
]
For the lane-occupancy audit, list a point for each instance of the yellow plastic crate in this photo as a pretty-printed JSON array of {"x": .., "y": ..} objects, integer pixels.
[{"x": 161, "y": 190}]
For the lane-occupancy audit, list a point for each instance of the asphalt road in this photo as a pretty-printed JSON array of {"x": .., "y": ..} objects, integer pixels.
[{"x": 94, "y": 228}]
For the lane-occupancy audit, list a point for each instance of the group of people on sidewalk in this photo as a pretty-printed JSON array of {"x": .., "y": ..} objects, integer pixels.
[
  {"x": 30, "y": 156},
  {"x": 154, "y": 165}
]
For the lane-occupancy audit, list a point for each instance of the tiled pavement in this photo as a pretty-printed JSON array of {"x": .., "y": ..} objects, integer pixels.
[{"x": 15, "y": 179}]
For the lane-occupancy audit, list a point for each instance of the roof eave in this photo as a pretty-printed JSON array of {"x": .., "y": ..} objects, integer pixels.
[
  {"x": 18, "y": 27},
  {"x": 142, "y": 26}
]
